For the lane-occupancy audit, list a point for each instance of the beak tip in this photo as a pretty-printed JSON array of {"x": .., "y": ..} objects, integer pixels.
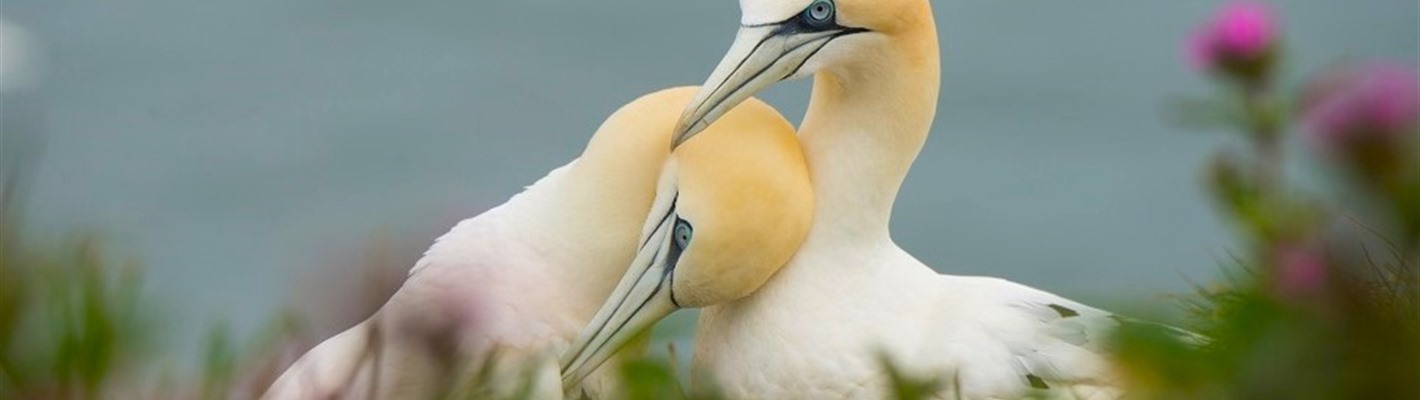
[
  {"x": 678, "y": 138},
  {"x": 683, "y": 131}
]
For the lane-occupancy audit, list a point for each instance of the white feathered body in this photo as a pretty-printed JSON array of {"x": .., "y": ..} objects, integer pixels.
[
  {"x": 503, "y": 284},
  {"x": 827, "y": 320}
]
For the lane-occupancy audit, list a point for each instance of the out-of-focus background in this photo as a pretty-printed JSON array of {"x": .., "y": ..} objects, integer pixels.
[{"x": 239, "y": 147}]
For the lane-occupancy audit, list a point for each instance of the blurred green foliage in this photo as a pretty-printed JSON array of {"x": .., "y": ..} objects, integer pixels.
[
  {"x": 904, "y": 386},
  {"x": 70, "y": 315},
  {"x": 649, "y": 379}
]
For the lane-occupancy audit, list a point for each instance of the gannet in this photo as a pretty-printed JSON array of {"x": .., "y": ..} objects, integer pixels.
[
  {"x": 519, "y": 281},
  {"x": 818, "y": 327}
]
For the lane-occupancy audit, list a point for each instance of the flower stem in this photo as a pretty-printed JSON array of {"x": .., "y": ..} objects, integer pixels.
[{"x": 1264, "y": 124}]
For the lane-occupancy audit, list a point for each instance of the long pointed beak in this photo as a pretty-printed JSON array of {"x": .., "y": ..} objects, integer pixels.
[
  {"x": 760, "y": 56},
  {"x": 641, "y": 299}
]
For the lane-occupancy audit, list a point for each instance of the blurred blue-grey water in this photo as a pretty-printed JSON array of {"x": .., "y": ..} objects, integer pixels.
[{"x": 237, "y": 145}]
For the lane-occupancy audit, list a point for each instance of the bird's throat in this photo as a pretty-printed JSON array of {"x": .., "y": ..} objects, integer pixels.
[{"x": 865, "y": 125}]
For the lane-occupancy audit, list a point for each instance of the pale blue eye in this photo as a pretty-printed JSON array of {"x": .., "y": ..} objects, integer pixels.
[
  {"x": 682, "y": 233},
  {"x": 820, "y": 11}
]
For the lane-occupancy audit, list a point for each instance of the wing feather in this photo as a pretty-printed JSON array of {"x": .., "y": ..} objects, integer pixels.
[{"x": 1019, "y": 341}]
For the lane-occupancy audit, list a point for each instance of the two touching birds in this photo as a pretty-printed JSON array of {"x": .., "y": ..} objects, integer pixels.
[
  {"x": 714, "y": 201},
  {"x": 519, "y": 281}
]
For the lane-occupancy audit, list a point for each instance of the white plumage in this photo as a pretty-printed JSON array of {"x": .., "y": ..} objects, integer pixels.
[{"x": 486, "y": 284}]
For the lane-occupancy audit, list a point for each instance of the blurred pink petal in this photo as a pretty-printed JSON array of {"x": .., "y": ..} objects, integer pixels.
[
  {"x": 1378, "y": 102},
  {"x": 1396, "y": 100},
  {"x": 1199, "y": 50},
  {"x": 1301, "y": 272}
]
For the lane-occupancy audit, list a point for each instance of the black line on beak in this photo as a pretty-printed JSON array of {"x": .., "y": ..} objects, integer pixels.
[
  {"x": 671, "y": 289},
  {"x": 628, "y": 320},
  {"x": 673, "y": 261},
  {"x": 847, "y": 32},
  {"x": 793, "y": 25},
  {"x": 741, "y": 64},
  {"x": 659, "y": 226},
  {"x": 669, "y": 211},
  {"x": 771, "y": 64}
]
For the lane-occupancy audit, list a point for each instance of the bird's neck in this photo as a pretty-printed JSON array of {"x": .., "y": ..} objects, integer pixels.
[
  {"x": 581, "y": 222},
  {"x": 865, "y": 125}
]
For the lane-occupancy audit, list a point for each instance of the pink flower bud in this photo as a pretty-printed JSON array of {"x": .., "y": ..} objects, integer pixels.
[
  {"x": 1239, "y": 40},
  {"x": 1300, "y": 272},
  {"x": 1364, "y": 117},
  {"x": 1371, "y": 102}
]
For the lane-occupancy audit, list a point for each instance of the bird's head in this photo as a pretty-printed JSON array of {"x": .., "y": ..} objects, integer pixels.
[
  {"x": 786, "y": 39},
  {"x": 730, "y": 210}
]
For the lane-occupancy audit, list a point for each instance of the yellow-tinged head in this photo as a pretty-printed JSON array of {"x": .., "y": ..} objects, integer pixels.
[
  {"x": 745, "y": 205},
  {"x": 730, "y": 210},
  {"x": 786, "y": 39}
]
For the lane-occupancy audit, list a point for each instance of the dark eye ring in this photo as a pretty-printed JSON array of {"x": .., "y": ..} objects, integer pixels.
[
  {"x": 682, "y": 233},
  {"x": 820, "y": 11}
]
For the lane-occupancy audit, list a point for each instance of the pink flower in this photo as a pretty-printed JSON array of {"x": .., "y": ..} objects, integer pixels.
[
  {"x": 1301, "y": 272},
  {"x": 1239, "y": 39},
  {"x": 1363, "y": 118},
  {"x": 1378, "y": 102}
]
